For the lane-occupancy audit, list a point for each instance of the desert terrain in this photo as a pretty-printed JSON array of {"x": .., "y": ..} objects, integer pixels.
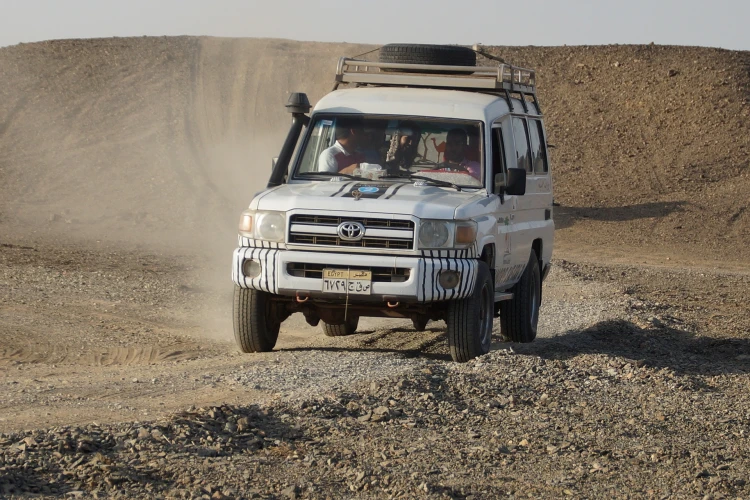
[{"x": 124, "y": 164}]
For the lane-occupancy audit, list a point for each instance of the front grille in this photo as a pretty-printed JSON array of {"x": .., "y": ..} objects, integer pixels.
[
  {"x": 331, "y": 220},
  {"x": 305, "y": 229},
  {"x": 306, "y": 239},
  {"x": 379, "y": 274}
]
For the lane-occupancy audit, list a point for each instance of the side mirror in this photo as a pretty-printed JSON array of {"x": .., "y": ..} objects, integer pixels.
[
  {"x": 516, "y": 182},
  {"x": 274, "y": 160}
]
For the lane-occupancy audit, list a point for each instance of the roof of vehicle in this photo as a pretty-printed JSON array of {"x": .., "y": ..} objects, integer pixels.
[{"x": 437, "y": 103}]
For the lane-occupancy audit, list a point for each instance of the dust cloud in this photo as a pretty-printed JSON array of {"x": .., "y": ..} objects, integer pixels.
[{"x": 148, "y": 145}]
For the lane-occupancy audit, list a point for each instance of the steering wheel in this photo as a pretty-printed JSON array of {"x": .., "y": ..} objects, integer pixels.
[
  {"x": 451, "y": 167},
  {"x": 423, "y": 163}
]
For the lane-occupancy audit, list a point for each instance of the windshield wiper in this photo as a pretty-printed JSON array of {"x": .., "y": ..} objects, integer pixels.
[
  {"x": 436, "y": 182},
  {"x": 335, "y": 174}
]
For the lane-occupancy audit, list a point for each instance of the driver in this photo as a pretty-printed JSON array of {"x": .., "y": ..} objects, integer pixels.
[
  {"x": 455, "y": 154},
  {"x": 343, "y": 156}
]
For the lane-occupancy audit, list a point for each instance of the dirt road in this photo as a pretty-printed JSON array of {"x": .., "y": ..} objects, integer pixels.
[
  {"x": 629, "y": 360},
  {"x": 108, "y": 335}
]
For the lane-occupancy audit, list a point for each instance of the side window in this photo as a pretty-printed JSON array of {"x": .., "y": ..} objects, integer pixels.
[
  {"x": 538, "y": 153},
  {"x": 521, "y": 136},
  {"x": 498, "y": 152},
  {"x": 321, "y": 137}
]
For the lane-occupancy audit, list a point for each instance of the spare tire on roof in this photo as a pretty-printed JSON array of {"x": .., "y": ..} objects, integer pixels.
[{"x": 412, "y": 53}]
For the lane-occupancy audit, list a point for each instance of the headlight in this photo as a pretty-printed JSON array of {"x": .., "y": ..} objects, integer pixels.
[
  {"x": 435, "y": 234},
  {"x": 447, "y": 234},
  {"x": 269, "y": 226}
]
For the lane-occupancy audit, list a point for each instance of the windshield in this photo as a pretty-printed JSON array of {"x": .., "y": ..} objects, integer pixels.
[{"x": 392, "y": 148}]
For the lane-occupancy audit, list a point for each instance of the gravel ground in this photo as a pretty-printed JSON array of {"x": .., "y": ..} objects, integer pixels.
[
  {"x": 636, "y": 387},
  {"x": 505, "y": 424}
]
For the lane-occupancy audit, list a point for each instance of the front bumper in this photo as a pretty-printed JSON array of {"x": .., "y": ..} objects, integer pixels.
[{"x": 421, "y": 284}]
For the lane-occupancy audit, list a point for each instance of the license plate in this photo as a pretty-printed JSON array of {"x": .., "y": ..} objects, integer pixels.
[{"x": 344, "y": 281}]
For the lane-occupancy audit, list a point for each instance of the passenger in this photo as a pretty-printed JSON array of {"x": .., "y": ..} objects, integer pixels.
[
  {"x": 403, "y": 148},
  {"x": 343, "y": 157},
  {"x": 455, "y": 155}
]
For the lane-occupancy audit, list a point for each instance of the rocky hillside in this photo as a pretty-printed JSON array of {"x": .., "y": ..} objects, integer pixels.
[{"x": 653, "y": 143}]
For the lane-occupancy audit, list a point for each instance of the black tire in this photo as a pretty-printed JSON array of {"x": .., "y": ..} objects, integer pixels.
[
  {"x": 519, "y": 316},
  {"x": 349, "y": 327},
  {"x": 410, "y": 53},
  {"x": 256, "y": 327},
  {"x": 420, "y": 323},
  {"x": 470, "y": 320}
]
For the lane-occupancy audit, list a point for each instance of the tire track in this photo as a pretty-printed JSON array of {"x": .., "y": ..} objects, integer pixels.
[{"x": 111, "y": 356}]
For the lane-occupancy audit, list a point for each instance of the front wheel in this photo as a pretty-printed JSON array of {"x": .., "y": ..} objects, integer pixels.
[
  {"x": 256, "y": 324},
  {"x": 470, "y": 320},
  {"x": 519, "y": 316},
  {"x": 348, "y": 327}
]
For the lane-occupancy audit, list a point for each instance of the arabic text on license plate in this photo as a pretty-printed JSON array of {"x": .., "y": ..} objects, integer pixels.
[{"x": 347, "y": 281}]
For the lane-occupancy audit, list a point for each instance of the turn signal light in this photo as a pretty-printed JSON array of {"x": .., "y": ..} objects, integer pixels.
[
  {"x": 246, "y": 222},
  {"x": 465, "y": 235}
]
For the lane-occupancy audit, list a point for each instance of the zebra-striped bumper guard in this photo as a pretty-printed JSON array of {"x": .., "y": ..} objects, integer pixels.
[{"x": 422, "y": 283}]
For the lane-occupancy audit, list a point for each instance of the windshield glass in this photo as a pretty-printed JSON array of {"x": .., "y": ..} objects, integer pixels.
[{"x": 393, "y": 147}]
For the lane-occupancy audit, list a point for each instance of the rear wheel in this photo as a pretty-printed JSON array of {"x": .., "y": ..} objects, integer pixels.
[
  {"x": 256, "y": 324},
  {"x": 470, "y": 320},
  {"x": 348, "y": 327},
  {"x": 519, "y": 316}
]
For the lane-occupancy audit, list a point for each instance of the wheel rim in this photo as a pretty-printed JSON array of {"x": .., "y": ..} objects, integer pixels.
[
  {"x": 486, "y": 303},
  {"x": 534, "y": 306}
]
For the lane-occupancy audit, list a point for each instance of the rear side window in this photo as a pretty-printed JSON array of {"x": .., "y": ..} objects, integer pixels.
[
  {"x": 538, "y": 153},
  {"x": 497, "y": 151},
  {"x": 521, "y": 136}
]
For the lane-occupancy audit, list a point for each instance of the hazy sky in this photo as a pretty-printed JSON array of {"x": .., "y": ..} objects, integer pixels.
[{"x": 714, "y": 23}]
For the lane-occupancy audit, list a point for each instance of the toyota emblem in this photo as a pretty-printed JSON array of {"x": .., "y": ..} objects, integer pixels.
[{"x": 351, "y": 231}]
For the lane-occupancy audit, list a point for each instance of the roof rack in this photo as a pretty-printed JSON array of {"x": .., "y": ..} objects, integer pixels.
[{"x": 503, "y": 77}]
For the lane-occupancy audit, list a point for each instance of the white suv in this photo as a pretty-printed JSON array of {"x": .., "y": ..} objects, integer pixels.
[{"x": 424, "y": 192}]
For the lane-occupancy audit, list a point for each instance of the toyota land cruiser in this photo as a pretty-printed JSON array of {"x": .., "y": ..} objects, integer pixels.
[{"x": 421, "y": 191}]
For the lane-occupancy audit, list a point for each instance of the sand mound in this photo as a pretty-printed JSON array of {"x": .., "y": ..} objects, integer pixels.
[{"x": 146, "y": 140}]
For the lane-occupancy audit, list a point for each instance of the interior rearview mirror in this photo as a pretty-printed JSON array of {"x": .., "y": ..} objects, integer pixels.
[{"x": 516, "y": 181}]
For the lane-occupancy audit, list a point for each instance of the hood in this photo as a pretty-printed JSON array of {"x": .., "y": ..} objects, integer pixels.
[{"x": 430, "y": 202}]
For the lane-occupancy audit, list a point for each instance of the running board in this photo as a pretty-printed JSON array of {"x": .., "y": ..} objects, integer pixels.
[{"x": 500, "y": 296}]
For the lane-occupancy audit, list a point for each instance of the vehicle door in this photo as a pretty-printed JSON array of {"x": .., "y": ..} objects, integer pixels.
[
  {"x": 529, "y": 211},
  {"x": 537, "y": 203},
  {"x": 506, "y": 259}
]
